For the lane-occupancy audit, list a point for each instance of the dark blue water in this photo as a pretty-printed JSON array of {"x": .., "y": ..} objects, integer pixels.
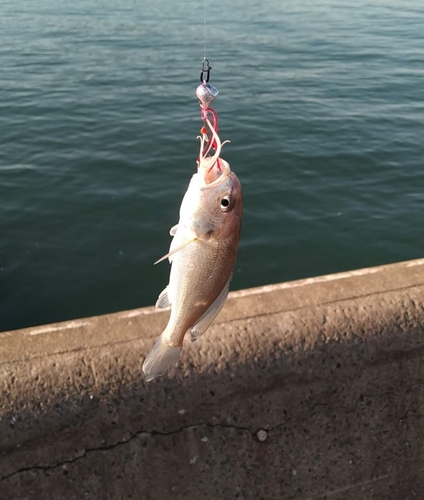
[{"x": 323, "y": 103}]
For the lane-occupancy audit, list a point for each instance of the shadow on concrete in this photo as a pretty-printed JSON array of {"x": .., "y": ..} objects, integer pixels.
[{"x": 309, "y": 390}]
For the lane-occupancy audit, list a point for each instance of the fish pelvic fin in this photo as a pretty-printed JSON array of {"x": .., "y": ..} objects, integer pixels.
[
  {"x": 160, "y": 360},
  {"x": 163, "y": 300}
]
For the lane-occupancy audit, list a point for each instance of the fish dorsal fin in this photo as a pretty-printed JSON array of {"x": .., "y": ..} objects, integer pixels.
[
  {"x": 210, "y": 314},
  {"x": 163, "y": 300}
]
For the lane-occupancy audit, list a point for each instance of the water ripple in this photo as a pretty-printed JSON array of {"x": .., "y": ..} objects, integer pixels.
[{"x": 323, "y": 103}]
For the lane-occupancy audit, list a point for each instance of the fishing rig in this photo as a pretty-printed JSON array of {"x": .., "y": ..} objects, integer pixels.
[{"x": 205, "y": 94}]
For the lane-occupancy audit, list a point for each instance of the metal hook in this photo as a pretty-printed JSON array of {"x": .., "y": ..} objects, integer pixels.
[{"x": 205, "y": 69}]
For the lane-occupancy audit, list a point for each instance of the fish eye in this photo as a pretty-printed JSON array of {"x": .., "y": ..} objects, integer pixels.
[{"x": 225, "y": 203}]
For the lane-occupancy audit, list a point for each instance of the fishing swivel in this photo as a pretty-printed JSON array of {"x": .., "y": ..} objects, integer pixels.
[
  {"x": 205, "y": 92},
  {"x": 206, "y": 69}
]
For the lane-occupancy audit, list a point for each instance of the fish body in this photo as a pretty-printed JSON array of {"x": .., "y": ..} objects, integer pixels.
[{"x": 202, "y": 254}]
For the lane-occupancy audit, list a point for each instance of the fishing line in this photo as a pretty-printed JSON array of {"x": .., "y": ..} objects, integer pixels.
[{"x": 204, "y": 29}]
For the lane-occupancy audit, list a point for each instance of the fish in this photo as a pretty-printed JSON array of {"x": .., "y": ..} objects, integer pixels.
[{"x": 202, "y": 254}]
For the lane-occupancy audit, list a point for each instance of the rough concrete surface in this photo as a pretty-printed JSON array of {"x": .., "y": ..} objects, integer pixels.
[{"x": 303, "y": 390}]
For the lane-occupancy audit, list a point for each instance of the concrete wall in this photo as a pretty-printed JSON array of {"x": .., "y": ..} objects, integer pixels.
[{"x": 330, "y": 368}]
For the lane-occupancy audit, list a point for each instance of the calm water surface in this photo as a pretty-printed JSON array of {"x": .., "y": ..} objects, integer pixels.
[{"x": 323, "y": 102}]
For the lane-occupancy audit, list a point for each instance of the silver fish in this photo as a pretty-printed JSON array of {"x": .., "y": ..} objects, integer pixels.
[{"x": 202, "y": 254}]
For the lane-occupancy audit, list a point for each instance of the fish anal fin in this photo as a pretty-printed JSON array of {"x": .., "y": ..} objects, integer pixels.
[
  {"x": 163, "y": 300},
  {"x": 204, "y": 322}
]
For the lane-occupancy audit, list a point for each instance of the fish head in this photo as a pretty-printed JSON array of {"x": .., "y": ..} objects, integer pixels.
[{"x": 222, "y": 204}]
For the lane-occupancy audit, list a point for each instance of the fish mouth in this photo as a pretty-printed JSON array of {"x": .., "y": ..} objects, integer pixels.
[{"x": 213, "y": 170}]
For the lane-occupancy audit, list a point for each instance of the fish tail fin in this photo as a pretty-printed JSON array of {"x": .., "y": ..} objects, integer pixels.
[{"x": 161, "y": 359}]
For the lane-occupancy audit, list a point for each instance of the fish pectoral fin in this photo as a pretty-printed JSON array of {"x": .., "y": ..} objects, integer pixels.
[
  {"x": 202, "y": 239},
  {"x": 163, "y": 300},
  {"x": 175, "y": 250},
  {"x": 204, "y": 322},
  {"x": 173, "y": 230}
]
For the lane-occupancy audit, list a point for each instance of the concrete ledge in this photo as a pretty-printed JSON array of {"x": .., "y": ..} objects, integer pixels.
[{"x": 329, "y": 367}]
